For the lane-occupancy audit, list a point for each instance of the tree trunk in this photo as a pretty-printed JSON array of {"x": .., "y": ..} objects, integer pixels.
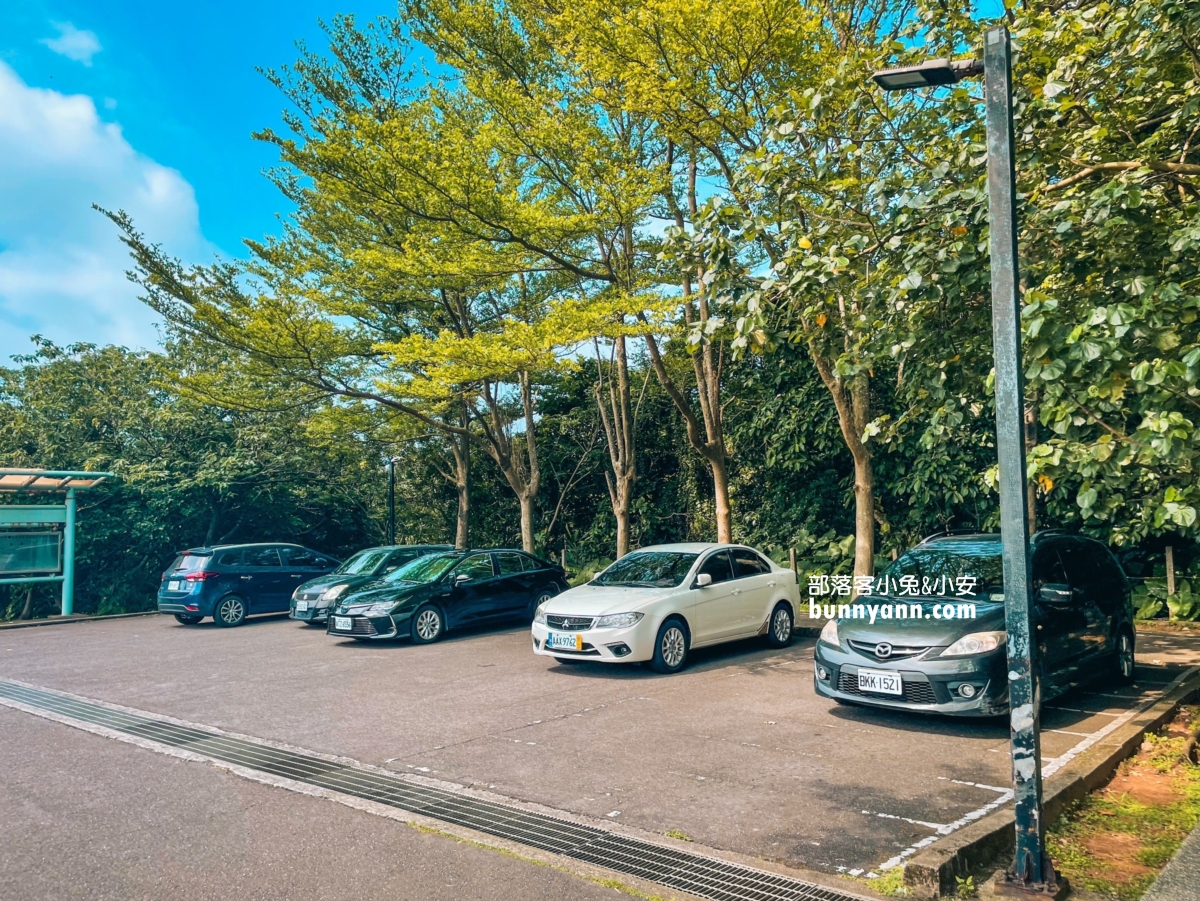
[
  {"x": 526, "y": 522},
  {"x": 853, "y": 408},
  {"x": 27, "y": 610},
  {"x": 211, "y": 535},
  {"x": 619, "y": 421},
  {"x": 720, "y": 473},
  {"x": 1030, "y": 443},
  {"x": 462, "y": 487}
]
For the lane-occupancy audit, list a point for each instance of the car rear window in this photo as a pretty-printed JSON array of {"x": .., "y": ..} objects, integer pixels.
[{"x": 190, "y": 563}]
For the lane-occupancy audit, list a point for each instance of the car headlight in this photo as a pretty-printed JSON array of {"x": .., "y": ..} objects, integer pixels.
[
  {"x": 539, "y": 615},
  {"x": 975, "y": 643},
  {"x": 332, "y": 594},
  {"x": 829, "y": 634},
  {"x": 381, "y": 609},
  {"x": 618, "y": 620}
]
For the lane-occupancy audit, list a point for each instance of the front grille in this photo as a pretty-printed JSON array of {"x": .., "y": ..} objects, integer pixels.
[
  {"x": 898, "y": 651},
  {"x": 570, "y": 623},
  {"x": 359, "y": 625},
  {"x": 914, "y": 692},
  {"x": 683, "y": 871}
]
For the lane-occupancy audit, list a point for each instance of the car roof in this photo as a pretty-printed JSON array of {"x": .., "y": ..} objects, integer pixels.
[
  {"x": 200, "y": 551},
  {"x": 688, "y": 547}
]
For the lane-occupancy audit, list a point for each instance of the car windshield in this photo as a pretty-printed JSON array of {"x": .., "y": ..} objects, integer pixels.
[
  {"x": 424, "y": 569},
  {"x": 650, "y": 569},
  {"x": 362, "y": 562},
  {"x": 962, "y": 568}
]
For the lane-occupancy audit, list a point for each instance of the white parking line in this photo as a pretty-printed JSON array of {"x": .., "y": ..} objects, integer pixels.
[{"x": 1049, "y": 768}]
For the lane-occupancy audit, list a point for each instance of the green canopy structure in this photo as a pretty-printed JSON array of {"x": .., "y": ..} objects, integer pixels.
[{"x": 37, "y": 541}]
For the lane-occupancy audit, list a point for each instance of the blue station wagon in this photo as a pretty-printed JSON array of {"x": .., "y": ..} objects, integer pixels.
[{"x": 230, "y": 582}]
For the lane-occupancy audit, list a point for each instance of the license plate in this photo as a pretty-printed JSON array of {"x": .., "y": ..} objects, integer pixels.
[
  {"x": 884, "y": 683},
  {"x": 564, "y": 640},
  {"x": 302, "y": 606},
  {"x": 343, "y": 623},
  {"x": 173, "y": 585}
]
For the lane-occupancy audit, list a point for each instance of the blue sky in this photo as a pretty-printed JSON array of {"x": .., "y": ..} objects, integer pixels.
[{"x": 140, "y": 105}]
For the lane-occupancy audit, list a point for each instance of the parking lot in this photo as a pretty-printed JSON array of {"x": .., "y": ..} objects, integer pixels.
[{"x": 736, "y": 753}]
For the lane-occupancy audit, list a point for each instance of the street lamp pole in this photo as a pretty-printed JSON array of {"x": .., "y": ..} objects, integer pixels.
[{"x": 1032, "y": 873}]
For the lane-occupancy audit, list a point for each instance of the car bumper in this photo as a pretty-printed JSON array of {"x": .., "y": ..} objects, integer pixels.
[
  {"x": 185, "y": 603},
  {"x": 311, "y": 615},
  {"x": 930, "y": 686},
  {"x": 634, "y": 644},
  {"x": 367, "y": 628}
]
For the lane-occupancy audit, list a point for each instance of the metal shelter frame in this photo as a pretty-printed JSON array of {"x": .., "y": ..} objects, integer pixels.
[{"x": 47, "y": 481}]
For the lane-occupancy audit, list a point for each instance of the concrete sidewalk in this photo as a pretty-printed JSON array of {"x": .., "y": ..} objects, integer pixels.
[{"x": 1180, "y": 880}]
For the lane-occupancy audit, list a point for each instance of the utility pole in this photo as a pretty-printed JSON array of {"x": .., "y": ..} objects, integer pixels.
[
  {"x": 391, "y": 531},
  {"x": 1031, "y": 874}
]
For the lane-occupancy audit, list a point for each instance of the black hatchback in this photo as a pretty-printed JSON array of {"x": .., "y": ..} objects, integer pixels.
[
  {"x": 312, "y": 601},
  {"x": 232, "y": 581},
  {"x": 454, "y": 590},
  {"x": 942, "y": 646}
]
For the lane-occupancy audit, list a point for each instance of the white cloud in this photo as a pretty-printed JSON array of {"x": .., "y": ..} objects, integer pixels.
[
  {"x": 62, "y": 267},
  {"x": 73, "y": 43}
]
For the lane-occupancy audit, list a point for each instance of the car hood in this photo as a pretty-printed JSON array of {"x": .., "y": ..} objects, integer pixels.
[
  {"x": 376, "y": 592},
  {"x": 929, "y": 632},
  {"x": 596, "y": 600},
  {"x": 329, "y": 580}
]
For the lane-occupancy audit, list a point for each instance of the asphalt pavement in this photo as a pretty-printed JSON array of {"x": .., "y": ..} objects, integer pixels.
[{"x": 736, "y": 753}]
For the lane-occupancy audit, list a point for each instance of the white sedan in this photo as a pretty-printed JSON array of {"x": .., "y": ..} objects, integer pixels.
[{"x": 655, "y": 604}]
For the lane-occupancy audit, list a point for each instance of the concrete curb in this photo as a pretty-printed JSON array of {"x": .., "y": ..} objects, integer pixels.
[
  {"x": 77, "y": 618},
  {"x": 932, "y": 872}
]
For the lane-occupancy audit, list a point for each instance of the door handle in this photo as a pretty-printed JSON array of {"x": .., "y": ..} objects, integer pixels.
[
  {"x": 771, "y": 584},
  {"x": 295, "y": 575},
  {"x": 736, "y": 591},
  {"x": 247, "y": 577}
]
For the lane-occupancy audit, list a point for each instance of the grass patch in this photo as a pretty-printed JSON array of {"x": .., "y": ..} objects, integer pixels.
[
  {"x": 1115, "y": 841},
  {"x": 679, "y": 834},
  {"x": 890, "y": 883}
]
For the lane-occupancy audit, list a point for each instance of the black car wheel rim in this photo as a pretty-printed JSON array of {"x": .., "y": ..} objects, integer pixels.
[
  {"x": 782, "y": 625},
  {"x": 1125, "y": 656},
  {"x": 428, "y": 625}
]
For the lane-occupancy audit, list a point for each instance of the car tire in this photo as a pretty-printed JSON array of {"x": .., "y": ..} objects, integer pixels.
[
  {"x": 230, "y": 611},
  {"x": 542, "y": 596},
  {"x": 670, "y": 646},
  {"x": 428, "y": 625},
  {"x": 1124, "y": 662},
  {"x": 780, "y": 626},
  {"x": 188, "y": 620},
  {"x": 570, "y": 661}
]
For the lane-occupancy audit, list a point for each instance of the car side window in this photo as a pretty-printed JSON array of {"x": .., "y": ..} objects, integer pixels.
[
  {"x": 718, "y": 567},
  {"x": 1048, "y": 567},
  {"x": 1081, "y": 566},
  {"x": 399, "y": 559},
  {"x": 303, "y": 558},
  {"x": 475, "y": 568},
  {"x": 747, "y": 563},
  {"x": 530, "y": 564},
  {"x": 510, "y": 564},
  {"x": 231, "y": 558},
  {"x": 262, "y": 557}
]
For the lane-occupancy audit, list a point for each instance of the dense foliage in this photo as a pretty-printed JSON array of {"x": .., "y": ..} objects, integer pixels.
[{"x": 651, "y": 271}]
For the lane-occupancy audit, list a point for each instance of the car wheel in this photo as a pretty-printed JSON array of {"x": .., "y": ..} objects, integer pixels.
[
  {"x": 670, "y": 647},
  {"x": 427, "y": 625},
  {"x": 570, "y": 661},
  {"x": 231, "y": 611},
  {"x": 188, "y": 620},
  {"x": 779, "y": 632},
  {"x": 1123, "y": 658},
  {"x": 542, "y": 596}
]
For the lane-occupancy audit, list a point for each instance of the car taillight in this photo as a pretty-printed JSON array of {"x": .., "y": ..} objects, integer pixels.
[{"x": 200, "y": 576}]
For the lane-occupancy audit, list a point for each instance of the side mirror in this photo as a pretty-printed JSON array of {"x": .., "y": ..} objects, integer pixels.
[
  {"x": 460, "y": 579},
  {"x": 1056, "y": 595},
  {"x": 702, "y": 580}
]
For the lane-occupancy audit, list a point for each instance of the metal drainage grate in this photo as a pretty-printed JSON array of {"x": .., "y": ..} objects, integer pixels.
[{"x": 704, "y": 876}]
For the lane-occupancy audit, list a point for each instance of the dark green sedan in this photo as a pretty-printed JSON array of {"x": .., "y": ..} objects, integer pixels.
[{"x": 442, "y": 592}]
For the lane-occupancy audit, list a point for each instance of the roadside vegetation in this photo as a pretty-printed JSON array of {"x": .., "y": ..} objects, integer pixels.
[
  {"x": 1117, "y": 840},
  {"x": 599, "y": 277}
]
